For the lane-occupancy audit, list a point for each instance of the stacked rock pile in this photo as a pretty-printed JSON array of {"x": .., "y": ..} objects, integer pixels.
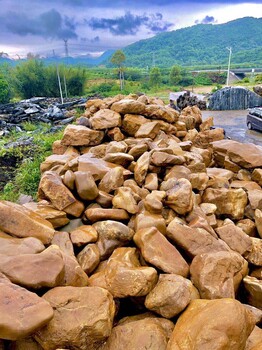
[
  {"x": 35, "y": 110},
  {"x": 147, "y": 235}
]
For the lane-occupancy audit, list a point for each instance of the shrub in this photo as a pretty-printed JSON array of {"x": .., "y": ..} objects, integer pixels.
[{"x": 4, "y": 90}]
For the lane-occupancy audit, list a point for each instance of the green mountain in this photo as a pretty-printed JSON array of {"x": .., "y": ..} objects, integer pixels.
[{"x": 201, "y": 44}]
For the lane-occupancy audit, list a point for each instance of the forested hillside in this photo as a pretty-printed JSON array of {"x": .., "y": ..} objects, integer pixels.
[{"x": 201, "y": 44}]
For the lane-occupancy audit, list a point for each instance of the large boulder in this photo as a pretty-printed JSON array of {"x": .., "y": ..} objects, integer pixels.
[
  {"x": 158, "y": 251},
  {"x": 140, "y": 332},
  {"x": 218, "y": 274},
  {"x": 35, "y": 271},
  {"x": 83, "y": 318},
  {"x": 212, "y": 324},
  {"x": 125, "y": 276},
  {"x": 24, "y": 223},
  {"x": 22, "y": 312},
  {"x": 78, "y": 135},
  {"x": 171, "y": 295},
  {"x": 14, "y": 246},
  {"x": 247, "y": 156}
]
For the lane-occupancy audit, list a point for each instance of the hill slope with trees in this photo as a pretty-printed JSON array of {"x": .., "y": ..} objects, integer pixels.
[{"x": 201, "y": 44}]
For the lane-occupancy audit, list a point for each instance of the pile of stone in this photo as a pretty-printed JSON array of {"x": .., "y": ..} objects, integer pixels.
[
  {"x": 147, "y": 235},
  {"x": 234, "y": 98},
  {"x": 37, "y": 109},
  {"x": 189, "y": 100}
]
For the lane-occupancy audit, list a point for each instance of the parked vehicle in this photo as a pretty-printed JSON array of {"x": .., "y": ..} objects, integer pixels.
[{"x": 254, "y": 119}]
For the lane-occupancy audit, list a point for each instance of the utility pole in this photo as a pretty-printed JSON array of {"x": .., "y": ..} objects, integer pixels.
[
  {"x": 58, "y": 78},
  {"x": 154, "y": 60},
  {"x": 229, "y": 60},
  {"x": 66, "y": 55},
  {"x": 66, "y": 47}
]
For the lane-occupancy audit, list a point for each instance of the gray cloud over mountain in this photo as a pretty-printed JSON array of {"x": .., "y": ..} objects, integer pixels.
[
  {"x": 206, "y": 20},
  {"x": 49, "y": 25},
  {"x": 129, "y": 24}
]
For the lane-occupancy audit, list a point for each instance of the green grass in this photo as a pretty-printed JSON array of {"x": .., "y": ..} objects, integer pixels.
[{"x": 27, "y": 175}]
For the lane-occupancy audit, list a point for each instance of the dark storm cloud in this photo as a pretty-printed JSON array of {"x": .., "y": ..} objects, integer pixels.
[
  {"x": 96, "y": 39},
  {"x": 49, "y": 25},
  {"x": 129, "y": 24},
  {"x": 206, "y": 20},
  {"x": 145, "y": 3}
]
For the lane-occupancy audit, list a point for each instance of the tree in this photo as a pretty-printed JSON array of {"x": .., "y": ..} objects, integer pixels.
[
  {"x": 118, "y": 59},
  {"x": 155, "y": 76},
  {"x": 4, "y": 90},
  {"x": 31, "y": 78},
  {"x": 175, "y": 75}
]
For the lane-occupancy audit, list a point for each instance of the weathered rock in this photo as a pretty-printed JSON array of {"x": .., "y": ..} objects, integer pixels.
[
  {"x": 83, "y": 235},
  {"x": 192, "y": 240},
  {"x": 218, "y": 275},
  {"x": 24, "y": 344},
  {"x": 14, "y": 246},
  {"x": 253, "y": 289},
  {"x": 124, "y": 199},
  {"x": 119, "y": 158},
  {"x": 35, "y": 271},
  {"x": 131, "y": 123},
  {"x": 125, "y": 277},
  {"x": 204, "y": 138},
  {"x": 212, "y": 324},
  {"x": 57, "y": 218},
  {"x": 247, "y": 157},
  {"x": 53, "y": 161},
  {"x": 149, "y": 129},
  {"x": 116, "y": 147},
  {"x": 74, "y": 275},
  {"x": 258, "y": 221},
  {"x": 89, "y": 258},
  {"x": 127, "y": 106},
  {"x": 111, "y": 234},
  {"x": 140, "y": 333},
  {"x": 159, "y": 112},
  {"x": 141, "y": 168},
  {"x": 248, "y": 226},
  {"x": 22, "y": 312},
  {"x": 231, "y": 202},
  {"x": 104, "y": 199},
  {"x": 148, "y": 220},
  {"x": 156, "y": 250},
  {"x": 24, "y": 223},
  {"x": 97, "y": 167},
  {"x": 257, "y": 176},
  {"x": 62, "y": 240},
  {"x": 180, "y": 197},
  {"x": 164, "y": 159},
  {"x": 105, "y": 119},
  {"x": 153, "y": 202},
  {"x": 235, "y": 238},
  {"x": 52, "y": 187},
  {"x": 82, "y": 319},
  {"x": 98, "y": 214},
  {"x": 85, "y": 185},
  {"x": 254, "y": 341},
  {"x": 255, "y": 256},
  {"x": 78, "y": 135},
  {"x": 151, "y": 182},
  {"x": 171, "y": 295},
  {"x": 112, "y": 180}
]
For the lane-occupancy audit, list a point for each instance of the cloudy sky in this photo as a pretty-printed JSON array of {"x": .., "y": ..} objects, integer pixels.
[{"x": 93, "y": 26}]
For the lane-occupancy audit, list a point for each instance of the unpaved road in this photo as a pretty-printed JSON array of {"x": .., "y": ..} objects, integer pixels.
[{"x": 234, "y": 124}]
